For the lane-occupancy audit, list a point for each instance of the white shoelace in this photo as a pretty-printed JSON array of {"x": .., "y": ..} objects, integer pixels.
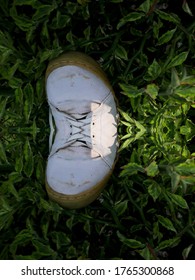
[{"x": 81, "y": 130}]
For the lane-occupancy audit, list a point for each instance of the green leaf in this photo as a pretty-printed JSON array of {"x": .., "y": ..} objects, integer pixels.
[
  {"x": 45, "y": 223},
  {"x": 27, "y": 149},
  {"x": 186, "y": 251},
  {"x": 129, "y": 125},
  {"x": 154, "y": 71},
  {"x": 42, "y": 11},
  {"x": 6, "y": 41},
  {"x": 186, "y": 91},
  {"x": 40, "y": 97},
  {"x": 22, "y": 22},
  {"x": 121, "y": 207},
  {"x": 5, "y": 55},
  {"x": 126, "y": 143},
  {"x": 69, "y": 37},
  {"x": 177, "y": 60},
  {"x": 29, "y": 166},
  {"x": 15, "y": 177},
  {"x": 13, "y": 69},
  {"x": 6, "y": 214},
  {"x": 130, "y": 169},
  {"x": 154, "y": 188},
  {"x": 87, "y": 227},
  {"x": 156, "y": 28},
  {"x": 49, "y": 54},
  {"x": 60, "y": 21},
  {"x": 186, "y": 168},
  {"x": 3, "y": 103},
  {"x": 83, "y": 2},
  {"x": 71, "y": 253},
  {"x": 15, "y": 83},
  {"x": 189, "y": 80},
  {"x": 131, "y": 91},
  {"x": 71, "y": 7},
  {"x": 69, "y": 222},
  {"x": 138, "y": 33},
  {"x": 19, "y": 98},
  {"x": 141, "y": 130},
  {"x": 29, "y": 99},
  {"x": 87, "y": 32},
  {"x": 178, "y": 200},
  {"x": 175, "y": 179},
  {"x": 186, "y": 8},
  {"x": 146, "y": 254},
  {"x": 145, "y": 6},
  {"x": 129, "y": 18},
  {"x": 165, "y": 222},
  {"x": 34, "y": 130},
  {"x": 23, "y": 238},
  {"x": 156, "y": 232},
  {"x": 189, "y": 180},
  {"x": 136, "y": 102},
  {"x": 25, "y": 2},
  {"x": 175, "y": 81},
  {"x": 126, "y": 116},
  {"x": 166, "y": 37},
  {"x": 29, "y": 159},
  {"x": 3, "y": 156},
  {"x": 44, "y": 32},
  {"x": 43, "y": 249},
  {"x": 185, "y": 130},
  {"x": 132, "y": 243},
  {"x": 8, "y": 187},
  {"x": 170, "y": 243},
  {"x": 152, "y": 90},
  {"x": 188, "y": 130},
  {"x": 168, "y": 16},
  {"x": 120, "y": 52},
  {"x": 152, "y": 169},
  {"x": 40, "y": 170},
  {"x": 50, "y": 206},
  {"x": 60, "y": 239}
]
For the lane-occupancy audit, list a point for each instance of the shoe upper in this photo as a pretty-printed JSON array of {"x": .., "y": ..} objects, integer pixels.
[{"x": 83, "y": 122}]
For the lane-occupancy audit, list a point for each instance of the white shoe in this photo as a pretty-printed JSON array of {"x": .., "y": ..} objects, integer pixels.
[{"x": 83, "y": 121}]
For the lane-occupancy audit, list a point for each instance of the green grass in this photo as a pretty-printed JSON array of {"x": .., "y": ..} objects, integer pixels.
[{"x": 147, "y": 209}]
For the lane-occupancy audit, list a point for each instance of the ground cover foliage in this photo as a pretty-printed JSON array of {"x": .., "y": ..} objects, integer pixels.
[{"x": 147, "y": 209}]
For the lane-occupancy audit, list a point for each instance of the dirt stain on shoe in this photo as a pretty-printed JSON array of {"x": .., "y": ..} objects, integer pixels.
[{"x": 86, "y": 182}]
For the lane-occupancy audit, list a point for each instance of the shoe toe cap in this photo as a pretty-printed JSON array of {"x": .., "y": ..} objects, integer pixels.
[
  {"x": 72, "y": 171},
  {"x": 76, "y": 84}
]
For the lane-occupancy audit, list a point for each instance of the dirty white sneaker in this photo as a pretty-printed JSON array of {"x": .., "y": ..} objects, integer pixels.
[{"x": 83, "y": 121}]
